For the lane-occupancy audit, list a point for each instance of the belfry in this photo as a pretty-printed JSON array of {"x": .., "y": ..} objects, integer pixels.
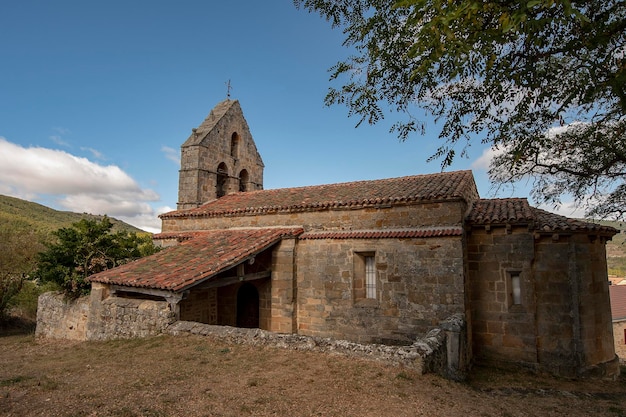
[{"x": 219, "y": 158}]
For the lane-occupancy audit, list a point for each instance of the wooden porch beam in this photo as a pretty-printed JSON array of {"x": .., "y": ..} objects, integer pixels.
[{"x": 222, "y": 282}]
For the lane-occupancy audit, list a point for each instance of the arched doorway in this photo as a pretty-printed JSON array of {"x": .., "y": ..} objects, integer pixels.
[{"x": 248, "y": 306}]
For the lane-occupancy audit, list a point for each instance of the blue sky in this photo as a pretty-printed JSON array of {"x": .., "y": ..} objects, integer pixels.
[{"x": 97, "y": 97}]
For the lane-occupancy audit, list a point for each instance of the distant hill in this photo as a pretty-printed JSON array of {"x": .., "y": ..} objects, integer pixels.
[{"x": 25, "y": 215}]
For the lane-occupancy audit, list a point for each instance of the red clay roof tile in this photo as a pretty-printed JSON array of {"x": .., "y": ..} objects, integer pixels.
[
  {"x": 618, "y": 301},
  {"x": 384, "y": 234},
  {"x": 518, "y": 211},
  {"x": 391, "y": 191},
  {"x": 194, "y": 260}
]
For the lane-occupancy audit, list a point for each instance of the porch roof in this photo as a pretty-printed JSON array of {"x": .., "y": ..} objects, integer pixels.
[{"x": 194, "y": 260}]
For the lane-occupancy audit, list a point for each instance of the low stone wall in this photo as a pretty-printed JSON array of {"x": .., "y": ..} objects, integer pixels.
[
  {"x": 425, "y": 355},
  {"x": 123, "y": 318},
  {"x": 60, "y": 318},
  {"x": 87, "y": 318},
  {"x": 441, "y": 351}
]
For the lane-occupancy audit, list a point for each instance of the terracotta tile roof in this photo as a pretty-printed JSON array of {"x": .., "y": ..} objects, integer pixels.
[
  {"x": 179, "y": 236},
  {"x": 391, "y": 191},
  {"x": 501, "y": 211},
  {"x": 384, "y": 233},
  {"x": 618, "y": 301},
  {"x": 195, "y": 260},
  {"x": 518, "y": 211}
]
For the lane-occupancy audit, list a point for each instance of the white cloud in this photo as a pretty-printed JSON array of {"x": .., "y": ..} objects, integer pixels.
[
  {"x": 77, "y": 184},
  {"x": 58, "y": 137},
  {"x": 59, "y": 141},
  {"x": 567, "y": 209},
  {"x": 483, "y": 162},
  {"x": 171, "y": 154},
  {"x": 96, "y": 153}
]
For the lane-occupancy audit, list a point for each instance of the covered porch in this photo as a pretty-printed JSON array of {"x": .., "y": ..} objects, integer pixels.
[{"x": 240, "y": 278}]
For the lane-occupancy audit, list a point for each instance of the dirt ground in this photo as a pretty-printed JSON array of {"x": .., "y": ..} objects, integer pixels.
[{"x": 196, "y": 376}]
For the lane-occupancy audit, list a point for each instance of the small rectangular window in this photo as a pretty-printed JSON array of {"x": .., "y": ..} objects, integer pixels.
[
  {"x": 364, "y": 277},
  {"x": 516, "y": 287},
  {"x": 625, "y": 336},
  {"x": 370, "y": 277}
]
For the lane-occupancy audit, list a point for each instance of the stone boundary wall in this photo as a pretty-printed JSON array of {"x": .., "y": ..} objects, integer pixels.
[
  {"x": 423, "y": 355},
  {"x": 441, "y": 351},
  {"x": 123, "y": 318},
  {"x": 60, "y": 318},
  {"x": 112, "y": 318},
  {"x": 426, "y": 355}
]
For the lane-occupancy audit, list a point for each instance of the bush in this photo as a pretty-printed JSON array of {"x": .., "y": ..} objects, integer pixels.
[
  {"x": 24, "y": 303},
  {"x": 86, "y": 248},
  {"x": 10, "y": 285}
]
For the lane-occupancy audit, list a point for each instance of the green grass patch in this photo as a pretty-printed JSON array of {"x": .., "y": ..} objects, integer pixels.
[{"x": 14, "y": 381}]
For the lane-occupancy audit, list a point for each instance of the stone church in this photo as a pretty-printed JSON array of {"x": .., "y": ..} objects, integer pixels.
[{"x": 380, "y": 261}]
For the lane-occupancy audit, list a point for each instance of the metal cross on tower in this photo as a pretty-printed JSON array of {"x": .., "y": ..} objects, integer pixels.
[{"x": 228, "y": 88}]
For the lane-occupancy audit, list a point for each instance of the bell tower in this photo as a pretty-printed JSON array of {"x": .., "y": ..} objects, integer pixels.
[{"x": 219, "y": 158}]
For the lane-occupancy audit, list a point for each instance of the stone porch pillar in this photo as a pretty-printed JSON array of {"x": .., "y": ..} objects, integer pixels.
[{"x": 283, "y": 291}]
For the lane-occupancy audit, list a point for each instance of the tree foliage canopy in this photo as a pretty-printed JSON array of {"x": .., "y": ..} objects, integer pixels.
[
  {"x": 86, "y": 248},
  {"x": 541, "y": 81},
  {"x": 18, "y": 250}
]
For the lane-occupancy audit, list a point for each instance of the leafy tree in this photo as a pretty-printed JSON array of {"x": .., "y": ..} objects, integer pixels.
[
  {"x": 86, "y": 248},
  {"x": 18, "y": 249},
  {"x": 542, "y": 81}
]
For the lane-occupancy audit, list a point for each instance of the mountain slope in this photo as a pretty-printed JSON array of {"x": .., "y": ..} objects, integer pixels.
[{"x": 25, "y": 215}]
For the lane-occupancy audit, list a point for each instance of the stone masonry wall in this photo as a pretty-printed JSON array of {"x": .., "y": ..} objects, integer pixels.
[
  {"x": 200, "y": 306},
  {"x": 123, "y": 318},
  {"x": 420, "y": 282},
  {"x": 419, "y": 215},
  {"x": 501, "y": 331},
  {"x": 282, "y": 301},
  {"x": 199, "y": 162},
  {"x": 427, "y": 354},
  {"x": 59, "y": 318},
  {"x": 91, "y": 318},
  {"x": 562, "y": 322},
  {"x": 619, "y": 336},
  {"x": 573, "y": 307}
]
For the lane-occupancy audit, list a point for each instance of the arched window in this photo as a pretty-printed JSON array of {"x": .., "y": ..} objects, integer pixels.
[
  {"x": 234, "y": 145},
  {"x": 243, "y": 180},
  {"x": 222, "y": 179}
]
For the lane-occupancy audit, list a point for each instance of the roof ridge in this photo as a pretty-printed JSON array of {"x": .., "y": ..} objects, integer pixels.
[
  {"x": 385, "y": 191},
  {"x": 332, "y": 184},
  {"x": 415, "y": 232}
]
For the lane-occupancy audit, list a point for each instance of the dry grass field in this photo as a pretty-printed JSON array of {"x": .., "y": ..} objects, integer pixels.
[{"x": 196, "y": 376}]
